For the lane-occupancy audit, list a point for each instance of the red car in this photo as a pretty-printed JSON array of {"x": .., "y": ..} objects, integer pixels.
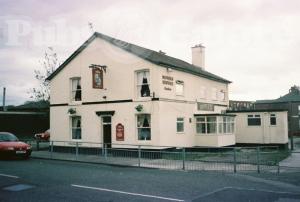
[
  {"x": 45, "y": 136},
  {"x": 10, "y": 146}
]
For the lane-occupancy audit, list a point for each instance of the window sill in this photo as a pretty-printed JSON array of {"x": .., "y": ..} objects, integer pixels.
[{"x": 180, "y": 133}]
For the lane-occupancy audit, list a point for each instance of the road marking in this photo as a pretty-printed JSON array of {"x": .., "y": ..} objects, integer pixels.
[
  {"x": 128, "y": 193},
  {"x": 11, "y": 176}
]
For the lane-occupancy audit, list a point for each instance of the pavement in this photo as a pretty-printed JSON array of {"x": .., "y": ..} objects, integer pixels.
[{"x": 52, "y": 180}]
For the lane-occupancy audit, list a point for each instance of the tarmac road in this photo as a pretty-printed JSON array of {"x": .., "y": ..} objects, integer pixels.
[{"x": 50, "y": 180}]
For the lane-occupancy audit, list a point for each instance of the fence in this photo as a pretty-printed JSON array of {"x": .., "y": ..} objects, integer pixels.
[{"x": 227, "y": 159}]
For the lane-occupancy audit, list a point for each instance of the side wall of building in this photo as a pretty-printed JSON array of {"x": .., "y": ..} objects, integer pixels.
[{"x": 265, "y": 133}]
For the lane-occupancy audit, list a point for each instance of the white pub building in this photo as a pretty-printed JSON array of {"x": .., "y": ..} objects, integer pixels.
[{"x": 110, "y": 91}]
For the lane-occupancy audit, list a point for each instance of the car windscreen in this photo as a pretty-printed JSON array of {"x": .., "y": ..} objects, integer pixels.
[{"x": 7, "y": 137}]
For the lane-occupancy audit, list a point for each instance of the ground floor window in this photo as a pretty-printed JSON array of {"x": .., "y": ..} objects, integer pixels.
[
  {"x": 273, "y": 119},
  {"x": 254, "y": 120},
  {"x": 215, "y": 125},
  {"x": 180, "y": 125},
  {"x": 144, "y": 126},
  {"x": 76, "y": 127}
]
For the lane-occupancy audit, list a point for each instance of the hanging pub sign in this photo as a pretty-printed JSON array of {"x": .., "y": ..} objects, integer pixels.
[
  {"x": 97, "y": 78},
  {"x": 119, "y": 132}
]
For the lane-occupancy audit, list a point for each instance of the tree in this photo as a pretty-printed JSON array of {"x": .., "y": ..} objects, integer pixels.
[{"x": 48, "y": 65}]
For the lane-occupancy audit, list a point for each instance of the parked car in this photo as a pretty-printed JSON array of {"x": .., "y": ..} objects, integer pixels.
[
  {"x": 45, "y": 136},
  {"x": 10, "y": 146}
]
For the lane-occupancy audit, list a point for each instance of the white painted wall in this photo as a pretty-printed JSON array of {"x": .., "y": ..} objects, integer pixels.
[
  {"x": 120, "y": 84},
  {"x": 264, "y": 134}
]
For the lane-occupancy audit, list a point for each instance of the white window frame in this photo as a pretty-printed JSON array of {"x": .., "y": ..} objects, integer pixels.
[
  {"x": 179, "y": 83},
  {"x": 141, "y": 127},
  {"x": 138, "y": 85},
  {"x": 254, "y": 116},
  {"x": 180, "y": 120},
  {"x": 73, "y": 91},
  {"x": 222, "y": 95},
  {"x": 273, "y": 116},
  {"x": 226, "y": 123},
  {"x": 72, "y": 128}
]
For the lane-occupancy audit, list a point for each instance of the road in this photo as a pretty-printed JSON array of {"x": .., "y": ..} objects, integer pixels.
[{"x": 50, "y": 180}]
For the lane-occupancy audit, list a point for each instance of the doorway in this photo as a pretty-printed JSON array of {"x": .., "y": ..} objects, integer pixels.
[{"x": 106, "y": 130}]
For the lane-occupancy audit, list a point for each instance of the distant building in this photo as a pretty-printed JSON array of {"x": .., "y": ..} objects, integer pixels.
[{"x": 289, "y": 102}]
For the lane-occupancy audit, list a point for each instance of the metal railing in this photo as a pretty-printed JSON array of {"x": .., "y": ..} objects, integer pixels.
[{"x": 227, "y": 159}]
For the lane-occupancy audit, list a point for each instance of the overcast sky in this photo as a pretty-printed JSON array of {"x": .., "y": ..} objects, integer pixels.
[{"x": 253, "y": 43}]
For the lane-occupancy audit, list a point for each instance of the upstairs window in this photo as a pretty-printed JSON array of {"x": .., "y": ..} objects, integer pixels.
[
  {"x": 254, "y": 120},
  {"x": 273, "y": 119},
  {"x": 143, "y": 83},
  {"x": 203, "y": 92},
  {"x": 144, "y": 126},
  {"x": 76, "y": 89},
  {"x": 180, "y": 125},
  {"x": 179, "y": 87},
  {"x": 222, "y": 95},
  {"x": 214, "y": 94},
  {"x": 76, "y": 127}
]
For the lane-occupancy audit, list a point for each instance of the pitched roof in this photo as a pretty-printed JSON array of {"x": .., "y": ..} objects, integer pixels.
[
  {"x": 147, "y": 54},
  {"x": 292, "y": 96}
]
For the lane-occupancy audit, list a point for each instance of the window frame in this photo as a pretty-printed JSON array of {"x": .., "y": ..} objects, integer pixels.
[
  {"x": 138, "y": 86},
  {"x": 73, "y": 91},
  {"x": 180, "y": 122},
  {"x": 179, "y": 82},
  {"x": 226, "y": 123},
  {"x": 272, "y": 116},
  {"x": 142, "y": 127},
  {"x": 253, "y": 117},
  {"x": 72, "y": 128}
]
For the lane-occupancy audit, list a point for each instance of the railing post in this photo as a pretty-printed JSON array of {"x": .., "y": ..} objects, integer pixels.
[
  {"x": 258, "y": 159},
  {"x": 139, "y": 153},
  {"x": 37, "y": 144},
  {"x": 277, "y": 159},
  {"x": 234, "y": 160},
  {"x": 183, "y": 158},
  {"x": 76, "y": 151},
  {"x": 102, "y": 149},
  {"x": 105, "y": 151},
  {"x": 51, "y": 150},
  {"x": 292, "y": 142}
]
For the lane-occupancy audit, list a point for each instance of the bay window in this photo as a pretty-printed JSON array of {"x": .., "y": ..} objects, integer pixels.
[{"x": 214, "y": 124}]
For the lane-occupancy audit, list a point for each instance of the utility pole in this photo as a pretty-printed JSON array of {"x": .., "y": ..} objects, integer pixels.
[{"x": 3, "y": 102}]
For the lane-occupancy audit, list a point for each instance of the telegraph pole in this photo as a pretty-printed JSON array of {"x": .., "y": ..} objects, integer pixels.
[{"x": 3, "y": 102}]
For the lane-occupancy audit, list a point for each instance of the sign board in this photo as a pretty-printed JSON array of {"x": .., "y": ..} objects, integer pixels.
[{"x": 119, "y": 132}]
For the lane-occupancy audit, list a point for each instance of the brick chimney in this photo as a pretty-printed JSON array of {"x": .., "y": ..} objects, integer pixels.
[{"x": 198, "y": 56}]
